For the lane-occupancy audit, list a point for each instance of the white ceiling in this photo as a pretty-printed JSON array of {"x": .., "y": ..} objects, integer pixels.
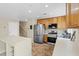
[{"x": 19, "y": 11}]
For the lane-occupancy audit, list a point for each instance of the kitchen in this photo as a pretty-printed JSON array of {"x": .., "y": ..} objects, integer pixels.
[
  {"x": 44, "y": 30},
  {"x": 52, "y": 35},
  {"x": 63, "y": 30}
]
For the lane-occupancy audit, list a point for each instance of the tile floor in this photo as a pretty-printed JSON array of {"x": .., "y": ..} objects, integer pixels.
[{"x": 42, "y": 49}]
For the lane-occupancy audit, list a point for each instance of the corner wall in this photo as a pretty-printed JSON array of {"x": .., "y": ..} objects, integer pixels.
[{"x": 30, "y": 32}]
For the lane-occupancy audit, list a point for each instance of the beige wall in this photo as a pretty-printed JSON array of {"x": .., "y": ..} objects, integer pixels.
[
  {"x": 8, "y": 28},
  {"x": 3, "y": 28},
  {"x": 30, "y": 32},
  {"x": 25, "y": 30},
  {"x": 13, "y": 28}
]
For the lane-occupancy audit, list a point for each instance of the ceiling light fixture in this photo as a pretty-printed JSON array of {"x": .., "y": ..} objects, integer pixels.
[
  {"x": 25, "y": 19},
  {"x": 38, "y": 16},
  {"x": 29, "y": 11},
  {"x": 76, "y": 8},
  {"x": 46, "y": 6}
]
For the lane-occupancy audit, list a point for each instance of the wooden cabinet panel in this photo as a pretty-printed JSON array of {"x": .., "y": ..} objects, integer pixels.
[
  {"x": 78, "y": 19},
  {"x": 45, "y": 38},
  {"x": 52, "y": 20},
  {"x": 72, "y": 21},
  {"x": 43, "y": 21},
  {"x": 40, "y": 21},
  {"x": 62, "y": 22},
  {"x": 47, "y": 21},
  {"x": 73, "y": 15}
]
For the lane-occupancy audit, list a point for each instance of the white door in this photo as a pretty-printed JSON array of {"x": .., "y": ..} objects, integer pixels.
[{"x": 13, "y": 28}]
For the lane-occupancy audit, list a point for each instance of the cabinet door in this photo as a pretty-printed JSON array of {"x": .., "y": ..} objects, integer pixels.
[
  {"x": 55, "y": 20},
  {"x": 78, "y": 14},
  {"x": 40, "y": 21},
  {"x": 78, "y": 18},
  {"x": 52, "y": 20},
  {"x": 43, "y": 21},
  {"x": 62, "y": 22},
  {"x": 73, "y": 15},
  {"x": 73, "y": 22},
  {"x": 45, "y": 38}
]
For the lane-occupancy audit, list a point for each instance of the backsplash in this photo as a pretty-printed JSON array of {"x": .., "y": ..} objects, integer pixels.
[{"x": 66, "y": 33}]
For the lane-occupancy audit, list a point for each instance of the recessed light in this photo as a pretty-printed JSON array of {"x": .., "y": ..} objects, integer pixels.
[
  {"x": 44, "y": 13},
  {"x": 29, "y": 11},
  {"x": 38, "y": 16},
  {"x": 76, "y": 8},
  {"x": 46, "y": 6},
  {"x": 26, "y": 19}
]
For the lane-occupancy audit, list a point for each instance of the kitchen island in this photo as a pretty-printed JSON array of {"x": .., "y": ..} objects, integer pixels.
[{"x": 66, "y": 48}]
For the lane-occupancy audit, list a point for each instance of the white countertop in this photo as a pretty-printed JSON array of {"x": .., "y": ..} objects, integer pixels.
[
  {"x": 12, "y": 40},
  {"x": 66, "y": 48}
]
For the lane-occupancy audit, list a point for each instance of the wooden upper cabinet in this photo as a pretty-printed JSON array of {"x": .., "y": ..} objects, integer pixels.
[
  {"x": 62, "y": 22},
  {"x": 52, "y": 20},
  {"x": 73, "y": 15},
  {"x": 47, "y": 21},
  {"x": 78, "y": 17},
  {"x": 43, "y": 21}
]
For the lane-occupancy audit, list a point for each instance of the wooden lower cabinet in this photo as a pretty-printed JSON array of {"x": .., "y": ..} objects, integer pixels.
[{"x": 45, "y": 38}]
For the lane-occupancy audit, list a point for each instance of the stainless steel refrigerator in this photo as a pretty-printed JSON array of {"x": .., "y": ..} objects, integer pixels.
[{"x": 39, "y": 31}]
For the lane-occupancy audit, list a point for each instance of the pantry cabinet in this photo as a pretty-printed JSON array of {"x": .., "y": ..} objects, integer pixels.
[{"x": 73, "y": 15}]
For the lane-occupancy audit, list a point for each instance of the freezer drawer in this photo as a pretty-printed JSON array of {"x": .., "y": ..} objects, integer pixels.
[{"x": 38, "y": 39}]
